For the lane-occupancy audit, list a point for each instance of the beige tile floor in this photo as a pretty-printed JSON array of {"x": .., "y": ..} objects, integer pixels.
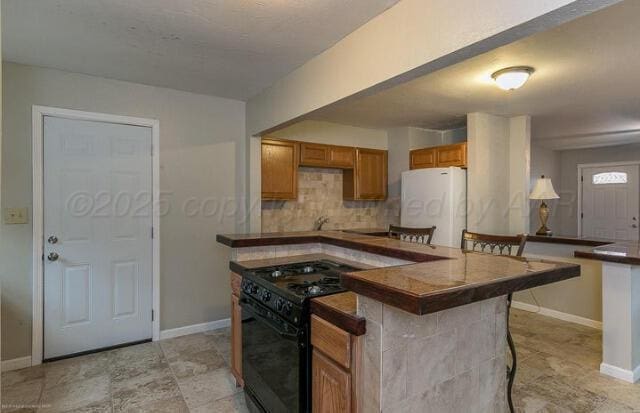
[
  {"x": 558, "y": 372},
  {"x": 183, "y": 374}
]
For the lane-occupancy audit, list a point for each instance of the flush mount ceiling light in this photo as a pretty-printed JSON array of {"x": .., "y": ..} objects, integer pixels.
[{"x": 512, "y": 78}]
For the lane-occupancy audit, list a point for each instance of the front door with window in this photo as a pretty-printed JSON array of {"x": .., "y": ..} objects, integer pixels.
[
  {"x": 97, "y": 235},
  {"x": 610, "y": 202}
]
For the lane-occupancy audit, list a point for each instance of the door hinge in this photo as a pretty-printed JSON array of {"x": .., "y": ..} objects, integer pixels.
[
  {"x": 153, "y": 317},
  {"x": 152, "y": 233},
  {"x": 582, "y": 179},
  {"x": 581, "y": 215}
]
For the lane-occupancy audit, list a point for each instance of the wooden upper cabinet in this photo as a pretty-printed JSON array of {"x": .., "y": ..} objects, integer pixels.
[
  {"x": 439, "y": 156},
  {"x": 452, "y": 155},
  {"x": 328, "y": 156},
  {"x": 368, "y": 179},
  {"x": 342, "y": 156},
  {"x": 279, "y": 169},
  {"x": 313, "y": 154},
  {"x": 422, "y": 158}
]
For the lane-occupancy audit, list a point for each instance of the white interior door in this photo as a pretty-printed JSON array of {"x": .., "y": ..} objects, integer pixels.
[
  {"x": 610, "y": 202},
  {"x": 98, "y": 220}
]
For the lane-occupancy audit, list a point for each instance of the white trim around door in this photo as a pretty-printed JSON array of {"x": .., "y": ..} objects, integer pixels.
[
  {"x": 582, "y": 166},
  {"x": 38, "y": 114}
]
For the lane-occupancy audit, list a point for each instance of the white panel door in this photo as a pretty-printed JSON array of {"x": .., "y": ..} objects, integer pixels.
[
  {"x": 97, "y": 219},
  {"x": 610, "y": 202}
]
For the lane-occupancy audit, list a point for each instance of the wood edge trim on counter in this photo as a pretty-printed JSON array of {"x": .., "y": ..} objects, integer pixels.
[
  {"x": 311, "y": 239},
  {"x": 567, "y": 240},
  {"x": 618, "y": 259},
  {"x": 443, "y": 300},
  {"x": 354, "y": 325}
]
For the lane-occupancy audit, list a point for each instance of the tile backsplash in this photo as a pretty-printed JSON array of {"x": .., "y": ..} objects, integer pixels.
[{"x": 320, "y": 194}]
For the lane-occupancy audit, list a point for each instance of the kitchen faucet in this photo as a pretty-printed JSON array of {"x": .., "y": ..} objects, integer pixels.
[{"x": 319, "y": 222}]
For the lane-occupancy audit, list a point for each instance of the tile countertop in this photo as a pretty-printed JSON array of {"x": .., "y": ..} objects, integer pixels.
[
  {"x": 623, "y": 252},
  {"x": 441, "y": 277}
]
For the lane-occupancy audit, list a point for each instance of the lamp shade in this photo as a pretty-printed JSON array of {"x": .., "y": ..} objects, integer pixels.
[{"x": 543, "y": 189}]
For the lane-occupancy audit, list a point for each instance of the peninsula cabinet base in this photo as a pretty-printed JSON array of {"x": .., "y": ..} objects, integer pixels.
[
  {"x": 450, "y": 361},
  {"x": 621, "y": 321},
  {"x": 336, "y": 365}
]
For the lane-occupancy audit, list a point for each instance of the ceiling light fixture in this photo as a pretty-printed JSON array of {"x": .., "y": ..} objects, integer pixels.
[{"x": 512, "y": 78}]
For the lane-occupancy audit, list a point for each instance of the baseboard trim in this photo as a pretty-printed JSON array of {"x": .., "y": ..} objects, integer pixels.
[
  {"x": 194, "y": 328},
  {"x": 16, "y": 364},
  {"x": 557, "y": 314},
  {"x": 622, "y": 374}
]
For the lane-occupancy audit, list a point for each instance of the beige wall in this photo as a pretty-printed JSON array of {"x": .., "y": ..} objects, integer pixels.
[
  {"x": 581, "y": 296},
  {"x": 334, "y": 134},
  {"x": 200, "y": 136}
]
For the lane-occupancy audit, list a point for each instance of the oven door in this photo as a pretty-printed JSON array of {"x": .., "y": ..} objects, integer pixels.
[{"x": 273, "y": 360}]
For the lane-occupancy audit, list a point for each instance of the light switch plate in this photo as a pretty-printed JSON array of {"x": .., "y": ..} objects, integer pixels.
[{"x": 15, "y": 216}]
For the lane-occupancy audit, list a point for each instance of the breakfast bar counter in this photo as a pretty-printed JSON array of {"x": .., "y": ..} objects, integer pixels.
[
  {"x": 425, "y": 278},
  {"x": 436, "y": 319}
]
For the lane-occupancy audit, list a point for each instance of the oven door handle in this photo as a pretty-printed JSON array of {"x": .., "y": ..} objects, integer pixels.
[{"x": 258, "y": 313}]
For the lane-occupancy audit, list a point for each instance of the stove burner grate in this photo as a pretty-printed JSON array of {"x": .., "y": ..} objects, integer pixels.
[{"x": 323, "y": 285}]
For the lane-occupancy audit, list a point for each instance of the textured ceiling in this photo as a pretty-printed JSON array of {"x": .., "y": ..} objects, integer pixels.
[
  {"x": 585, "y": 90},
  {"x": 228, "y": 48}
]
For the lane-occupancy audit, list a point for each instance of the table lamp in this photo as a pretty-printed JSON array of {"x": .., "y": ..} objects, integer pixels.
[{"x": 543, "y": 190}]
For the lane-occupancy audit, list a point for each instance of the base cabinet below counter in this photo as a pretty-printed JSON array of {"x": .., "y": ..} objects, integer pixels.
[
  {"x": 236, "y": 329},
  {"x": 336, "y": 364}
]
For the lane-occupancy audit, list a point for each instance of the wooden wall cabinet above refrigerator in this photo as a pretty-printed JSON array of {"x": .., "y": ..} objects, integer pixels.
[
  {"x": 439, "y": 156},
  {"x": 326, "y": 156},
  {"x": 279, "y": 169},
  {"x": 368, "y": 179}
]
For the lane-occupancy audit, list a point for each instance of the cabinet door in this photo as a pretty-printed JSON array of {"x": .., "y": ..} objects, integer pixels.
[
  {"x": 313, "y": 154},
  {"x": 331, "y": 391},
  {"x": 422, "y": 158},
  {"x": 341, "y": 156},
  {"x": 370, "y": 174},
  {"x": 236, "y": 339},
  {"x": 452, "y": 155},
  {"x": 279, "y": 169}
]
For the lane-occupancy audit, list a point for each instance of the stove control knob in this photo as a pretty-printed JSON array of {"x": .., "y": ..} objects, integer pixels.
[
  {"x": 254, "y": 288},
  {"x": 266, "y": 296},
  {"x": 288, "y": 308},
  {"x": 279, "y": 304}
]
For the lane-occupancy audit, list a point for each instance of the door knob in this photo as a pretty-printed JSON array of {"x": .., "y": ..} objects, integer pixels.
[
  {"x": 634, "y": 226},
  {"x": 53, "y": 256},
  {"x": 52, "y": 239}
]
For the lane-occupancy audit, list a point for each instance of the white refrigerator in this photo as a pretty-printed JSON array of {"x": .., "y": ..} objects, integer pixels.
[{"x": 436, "y": 196}]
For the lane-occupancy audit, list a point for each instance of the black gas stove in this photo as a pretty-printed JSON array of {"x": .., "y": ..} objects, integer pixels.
[{"x": 276, "y": 353}]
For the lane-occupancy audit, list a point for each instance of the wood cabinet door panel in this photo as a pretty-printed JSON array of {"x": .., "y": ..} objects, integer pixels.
[
  {"x": 452, "y": 155},
  {"x": 341, "y": 157},
  {"x": 422, "y": 158},
  {"x": 331, "y": 340},
  {"x": 312, "y": 154},
  {"x": 236, "y": 339},
  {"x": 371, "y": 174},
  {"x": 331, "y": 386},
  {"x": 279, "y": 169}
]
